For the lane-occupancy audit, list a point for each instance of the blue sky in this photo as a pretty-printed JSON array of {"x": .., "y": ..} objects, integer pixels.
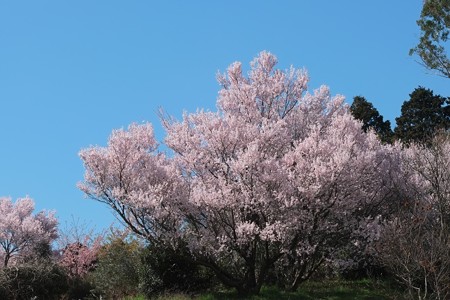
[{"x": 71, "y": 71}]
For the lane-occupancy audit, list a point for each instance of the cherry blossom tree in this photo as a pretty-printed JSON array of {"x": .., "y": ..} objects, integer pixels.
[
  {"x": 414, "y": 246},
  {"x": 276, "y": 176},
  {"x": 21, "y": 231}
]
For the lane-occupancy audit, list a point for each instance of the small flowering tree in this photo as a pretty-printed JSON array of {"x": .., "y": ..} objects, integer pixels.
[
  {"x": 78, "y": 249},
  {"x": 79, "y": 258},
  {"x": 21, "y": 231},
  {"x": 277, "y": 176}
]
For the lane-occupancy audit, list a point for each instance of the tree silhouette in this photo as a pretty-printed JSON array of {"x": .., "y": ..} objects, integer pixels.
[
  {"x": 422, "y": 115},
  {"x": 364, "y": 111}
]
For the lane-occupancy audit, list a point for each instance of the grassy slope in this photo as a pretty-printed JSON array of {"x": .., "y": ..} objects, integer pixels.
[{"x": 329, "y": 290}]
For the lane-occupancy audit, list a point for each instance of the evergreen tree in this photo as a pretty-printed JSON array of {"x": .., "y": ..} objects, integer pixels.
[
  {"x": 422, "y": 115},
  {"x": 364, "y": 111}
]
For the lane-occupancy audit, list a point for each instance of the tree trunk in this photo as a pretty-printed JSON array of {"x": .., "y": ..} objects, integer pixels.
[{"x": 6, "y": 259}]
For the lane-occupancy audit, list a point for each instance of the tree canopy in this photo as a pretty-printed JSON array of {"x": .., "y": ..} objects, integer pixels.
[
  {"x": 364, "y": 111},
  {"x": 434, "y": 24},
  {"x": 421, "y": 116}
]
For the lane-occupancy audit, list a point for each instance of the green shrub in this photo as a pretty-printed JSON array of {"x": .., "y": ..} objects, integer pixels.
[
  {"x": 117, "y": 272},
  {"x": 168, "y": 270},
  {"x": 41, "y": 279}
]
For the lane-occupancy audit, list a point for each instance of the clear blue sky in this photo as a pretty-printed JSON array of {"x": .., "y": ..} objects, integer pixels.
[{"x": 71, "y": 71}]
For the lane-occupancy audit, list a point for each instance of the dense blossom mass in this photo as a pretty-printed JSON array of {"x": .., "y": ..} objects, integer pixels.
[{"x": 276, "y": 178}]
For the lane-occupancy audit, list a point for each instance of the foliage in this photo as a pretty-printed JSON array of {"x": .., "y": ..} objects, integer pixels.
[
  {"x": 422, "y": 115},
  {"x": 21, "y": 231},
  {"x": 415, "y": 245},
  {"x": 275, "y": 176},
  {"x": 168, "y": 270},
  {"x": 80, "y": 288},
  {"x": 38, "y": 278},
  {"x": 434, "y": 23},
  {"x": 363, "y": 110},
  {"x": 117, "y": 271}
]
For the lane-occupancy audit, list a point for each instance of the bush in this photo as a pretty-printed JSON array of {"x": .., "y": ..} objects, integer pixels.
[
  {"x": 79, "y": 288},
  {"x": 117, "y": 271},
  {"x": 41, "y": 279},
  {"x": 168, "y": 270}
]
